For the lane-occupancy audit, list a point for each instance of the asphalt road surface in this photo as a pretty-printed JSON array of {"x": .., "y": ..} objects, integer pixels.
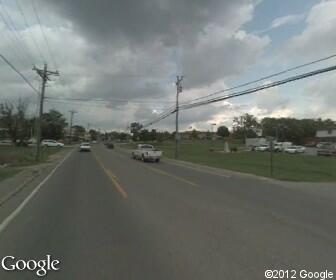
[{"x": 106, "y": 216}]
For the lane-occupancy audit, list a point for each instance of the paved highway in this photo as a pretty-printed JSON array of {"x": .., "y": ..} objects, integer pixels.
[{"x": 105, "y": 216}]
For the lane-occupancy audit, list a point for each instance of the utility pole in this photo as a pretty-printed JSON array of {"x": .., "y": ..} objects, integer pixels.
[
  {"x": 271, "y": 155},
  {"x": 178, "y": 91},
  {"x": 44, "y": 74},
  {"x": 72, "y": 112},
  {"x": 212, "y": 134}
]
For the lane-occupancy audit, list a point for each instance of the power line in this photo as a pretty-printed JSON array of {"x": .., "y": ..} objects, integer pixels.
[
  {"x": 20, "y": 74},
  {"x": 11, "y": 25},
  {"x": 43, "y": 34},
  {"x": 264, "y": 78},
  {"x": 259, "y": 88},
  {"x": 244, "y": 92},
  {"x": 11, "y": 37},
  {"x": 27, "y": 26}
]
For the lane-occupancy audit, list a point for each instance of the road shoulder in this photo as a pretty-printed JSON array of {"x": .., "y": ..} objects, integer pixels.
[{"x": 14, "y": 190}]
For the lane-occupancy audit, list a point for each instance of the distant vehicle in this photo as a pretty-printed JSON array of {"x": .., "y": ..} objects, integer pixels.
[
  {"x": 322, "y": 144},
  {"x": 6, "y": 142},
  {"x": 31, "y": 142},
  {"x": 51, "y": 143},
  {"x": 85, "y": 147},
  {"x": 281, "y": 146},
  {"x": 94, "y": 142},
  {"x": 262, "y": 148},
  {"x": 146, "y": 152},
  {"x": 295, "y": 150},
  {"x": 277, "y": 148},
  {"x": 328, "y": 149},
  {"x": 109, "y": 145},
  {"x": 301, "y": 149}
]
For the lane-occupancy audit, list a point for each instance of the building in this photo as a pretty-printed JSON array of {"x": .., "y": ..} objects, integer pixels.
[
  {"x": 326, "y": 135},
  {"x": 195, "y": 134}
]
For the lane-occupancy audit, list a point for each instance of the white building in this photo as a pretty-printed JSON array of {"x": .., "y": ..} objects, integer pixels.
[{"x": 326, "y": 135}]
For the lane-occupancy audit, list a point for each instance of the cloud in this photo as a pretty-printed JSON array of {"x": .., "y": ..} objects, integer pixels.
[
  {"x": 318, "y": 37},
  {"x": 286, "y": 20},
  {"x": 133, "y": 50},
  {"x": 282, "y": 21}
]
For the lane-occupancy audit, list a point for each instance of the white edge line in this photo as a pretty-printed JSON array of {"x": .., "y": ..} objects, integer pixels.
[{"x": 12, "y": 216}]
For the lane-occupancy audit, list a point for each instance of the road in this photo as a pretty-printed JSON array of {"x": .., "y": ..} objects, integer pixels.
[{"x": 105, "y": 216}]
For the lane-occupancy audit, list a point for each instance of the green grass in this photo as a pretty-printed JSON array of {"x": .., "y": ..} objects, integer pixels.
[
  {"x": 17, "y": 157},
  {"x": 286, "y": 167},
  {"x": 23, "y": 156},
  {"x": 8, "y": 172}
]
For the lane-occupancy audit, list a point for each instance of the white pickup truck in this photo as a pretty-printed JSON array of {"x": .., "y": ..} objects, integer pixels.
[{"x": 146, "y": 152}]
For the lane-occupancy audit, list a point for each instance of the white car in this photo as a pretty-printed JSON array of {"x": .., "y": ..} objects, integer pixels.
[
  {"x": 146, "y": 152},
  {"x": 51, "y": 143},
  {"x": 300, "y": 149},
  {"x": 295, "y": 150},
  {"x": 262, "y": 148},
  {"x": 85, "y": 147}
]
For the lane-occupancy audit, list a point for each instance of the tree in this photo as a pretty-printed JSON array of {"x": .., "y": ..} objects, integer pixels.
[
  {"x": 194, "y": 134},
  {"x": 93, "y": 134},
  {"x": 244, "y": 126},
  {"x": 294, "y": 130},
  {"x": 53, "y": 124},
  {"x": 223, "y": 131},
  {"x": 135, "y": 128},
  {"x": 13, "y": 118},
  {"x": 78, "y": 132}
]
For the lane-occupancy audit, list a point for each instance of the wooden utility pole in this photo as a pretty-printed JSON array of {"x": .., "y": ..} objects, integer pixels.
[
  {"x": 44, "y": 74},
  {"x": 178, "y": 91}
]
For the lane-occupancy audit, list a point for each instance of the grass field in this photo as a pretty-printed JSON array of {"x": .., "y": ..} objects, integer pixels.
[
  {"x": 17, "y": 157},
  {"x": 285, "y": 166}
]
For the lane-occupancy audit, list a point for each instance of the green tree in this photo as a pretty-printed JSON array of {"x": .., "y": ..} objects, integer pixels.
[
  {"x": 135, "y": 128},
  {"x": 223, "y": 131},
  {"x": 244, "y": 126},
  {"x": 53, "y": 124},
  {"x": 13, "y": 118}
]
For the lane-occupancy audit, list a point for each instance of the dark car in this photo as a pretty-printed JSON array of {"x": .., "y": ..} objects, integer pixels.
[{"x": 109, "y": 145}]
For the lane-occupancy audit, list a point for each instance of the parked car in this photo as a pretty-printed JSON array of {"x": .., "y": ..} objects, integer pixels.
[
  {"x": 262, "y": 148},
  {"x": 6, "y": 142},
  {"x": 277, "y": 148},
  {"x": 146, "y": 152},
  {"x": 295, "y": 150},
  {"x": 51, "y": 143},
  {"x": 322, "y": 144},
  {"x": 301, "y": 149},
  {"x": 328, "y": 149},
  {"x": 85, "y": 147}
]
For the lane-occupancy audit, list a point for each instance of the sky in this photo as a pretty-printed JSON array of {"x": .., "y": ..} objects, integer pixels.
[{"x": 128, "y": 54}]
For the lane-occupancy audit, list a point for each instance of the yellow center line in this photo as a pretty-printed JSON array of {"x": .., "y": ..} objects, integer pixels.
[
  {"x": 112, "y": 177},
  {"x": 170, "y": 175}
]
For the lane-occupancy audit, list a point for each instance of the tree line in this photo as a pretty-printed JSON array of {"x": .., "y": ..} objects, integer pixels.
[
  {"x": 16, "y": 125},
  {"x": 299, "y": 131}
]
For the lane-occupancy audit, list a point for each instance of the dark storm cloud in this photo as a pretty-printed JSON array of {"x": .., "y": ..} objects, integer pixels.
[{"x": 146, "y": 20}]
